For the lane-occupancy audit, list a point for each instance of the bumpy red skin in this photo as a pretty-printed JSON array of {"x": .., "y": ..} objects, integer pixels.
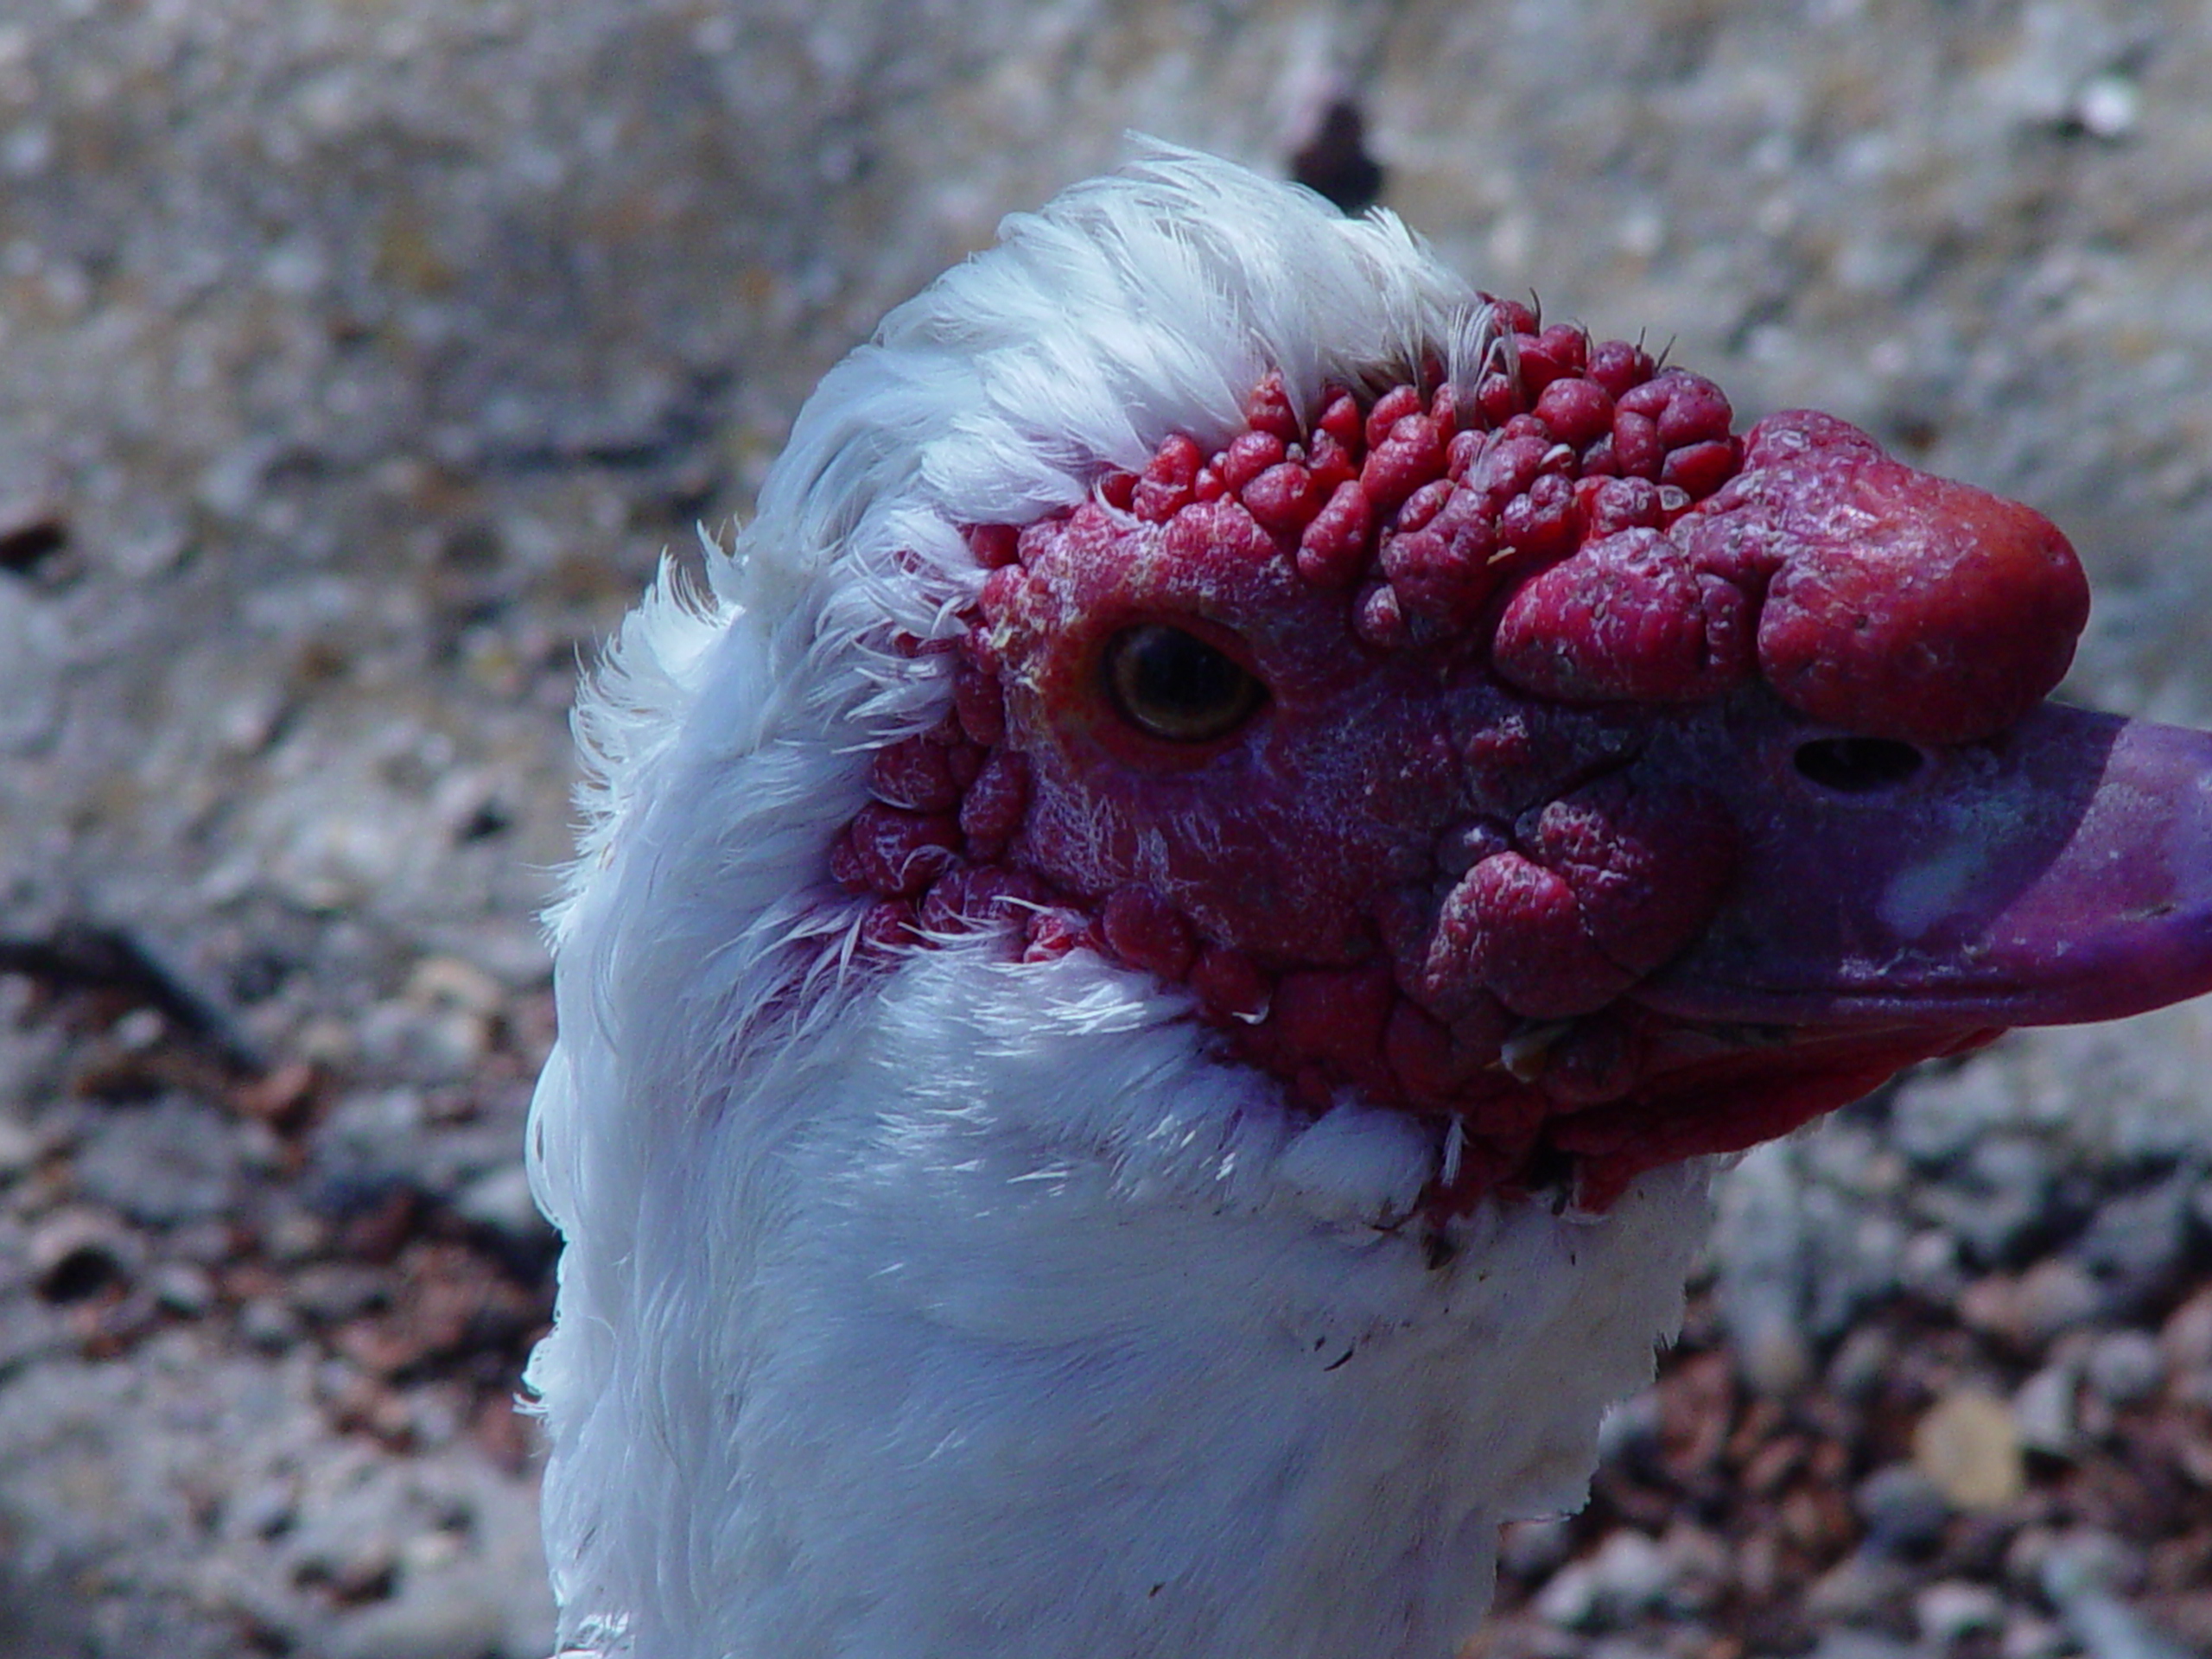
[
  {"x": 1432, "y": 867},
  {"x": 1909, "y": 607}
]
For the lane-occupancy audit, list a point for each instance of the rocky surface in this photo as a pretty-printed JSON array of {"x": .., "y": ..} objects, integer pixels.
[{"x": 359, "y": 361}]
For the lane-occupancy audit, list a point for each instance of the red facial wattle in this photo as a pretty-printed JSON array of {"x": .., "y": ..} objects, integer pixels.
[{"x": 1554, "y": 763}]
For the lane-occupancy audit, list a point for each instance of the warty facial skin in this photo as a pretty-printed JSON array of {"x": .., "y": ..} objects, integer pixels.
[{"x": 1160, "y": 960}]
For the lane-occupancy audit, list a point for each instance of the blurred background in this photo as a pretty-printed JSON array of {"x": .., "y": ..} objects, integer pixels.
[{"x": 359, "y": 358}]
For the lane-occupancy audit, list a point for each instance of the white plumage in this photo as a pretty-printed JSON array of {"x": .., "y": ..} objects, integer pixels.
[
  {"x": 979, "y": 1311},
  {"x": 976, "y": 1309}
]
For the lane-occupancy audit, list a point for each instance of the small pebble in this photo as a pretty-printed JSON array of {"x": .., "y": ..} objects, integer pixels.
[
  {"x": 1951, "y": 1609},
  {"x": 1779, "y": 1361},
  {"x": 162, "y": 1165},
  {"x": 295, "y": 1235},
  {"x": 500, "y": 1201},
  {"x": 1929, "y": 1265},
  {"x": 2027, "y": 1636},
  {"x": 1860, "y": 1589},
  {"x": 2136, "y": 1242},
  {"x": 1862, "y": 1645},
  {"x": 2126, "y": 1368},
  {"x": 1862, "y": 1362},
  {"x": 2108, "y": 106},
  {"x": 1632, "y": 1572},
  {"x": 2109, "y": 1628},
  {"x": 2056, "y": 1295},
  {"x": 2088, "y": 1561},
  {"x": 330, "y": 1293},
  {"x": 269, "y": 1324},
  {"x": 2012, "y": 1178},
  {"x": 2085, "y": 1574},
  {"x": 2044, "y": 1414},
  {"x": 1903, "y": 1508},
  {"x": 1628, "y": 1576},
  {"x": 1632, "y": 1428},
  {"x": 451, "y": 982},
  {"x": 1942, "y": 1116},
  {"x": 138, "y": 1030},
  {"x": 78, "y": 1253},
  {"x": 1968, "y": 1445},
  {"x": 1569, "y": 1599},
  {"x": 263, "y": 1510},
  {"x": 19, "y": 1148},
  {"x": 2186, "y": 1336},
  {"x": 1530, "y": 1549},
  {"x": 183, "y": 1289}
]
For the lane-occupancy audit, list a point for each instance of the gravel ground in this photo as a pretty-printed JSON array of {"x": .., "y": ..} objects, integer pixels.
[{"x": 359, "y": 360}]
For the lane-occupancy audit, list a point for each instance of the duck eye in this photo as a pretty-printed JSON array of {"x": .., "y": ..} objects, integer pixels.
[{"x": 1173, "y": 685}]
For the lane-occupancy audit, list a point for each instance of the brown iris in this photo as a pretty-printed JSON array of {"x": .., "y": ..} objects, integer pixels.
[{"x": 1174, "y": 686}]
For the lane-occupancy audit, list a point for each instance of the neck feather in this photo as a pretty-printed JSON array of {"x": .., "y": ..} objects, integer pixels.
[{"x": 1015, "y": 1322}]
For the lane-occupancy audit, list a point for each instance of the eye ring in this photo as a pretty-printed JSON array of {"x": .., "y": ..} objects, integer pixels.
[{"x": 1171, "y": 684}]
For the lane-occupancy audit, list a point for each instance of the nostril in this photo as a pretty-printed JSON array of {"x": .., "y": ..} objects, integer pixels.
[{"x": 1858, "y": 766}]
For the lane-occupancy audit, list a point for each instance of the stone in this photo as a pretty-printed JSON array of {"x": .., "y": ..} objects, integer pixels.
[
  {"x": 78, "y": 1253},
  {"x": 269, "y": 1324},
  {"x": 1902, "y": 1507},
  {"x": 2044, "y": 1413},
  {"x": 183, "y": 1289},
  {"x": 440, "y": 1614},
  {"x": 1928, "y": 1266},
  {"x": 1627, "y": 1576},
  {"x": 2056, "y": 1295},
  {"x": 1530, "y": 1549},
  {"x": 1969, "y": 1447},
  {"x": 1863, "y": 1588},
  {"x": 500, "y": 1202},
  {"x": 1949, "y": 1611},
  {"x": 2137, "y": 1242},
  {"x": 162, "y": 1164},
  {"x": 2186, "y": 1336},
  {"x": 1861, "y": 1362},
  {"x": 2126, "y": 1368},
  {"x": 1862, "y": 1645},
  {"x": 2028, "y": 1636},
  {"x": 2012, "y": 1177},
  {"x": 1632, "y": 1573},
  {"x": 2087, "y": 1562}
]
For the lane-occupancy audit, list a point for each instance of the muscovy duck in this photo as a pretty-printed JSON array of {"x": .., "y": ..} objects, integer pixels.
[{"x": 1160, "y": 964}]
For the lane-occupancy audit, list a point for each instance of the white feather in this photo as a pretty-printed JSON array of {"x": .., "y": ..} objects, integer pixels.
[{"x": 977, "y": 1309}]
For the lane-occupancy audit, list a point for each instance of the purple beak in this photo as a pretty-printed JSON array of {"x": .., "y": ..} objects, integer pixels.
[{"x": 2060, "y": 871}]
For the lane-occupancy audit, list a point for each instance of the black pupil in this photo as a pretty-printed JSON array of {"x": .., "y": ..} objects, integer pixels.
[
  {"x": 1176, "y": 686},
  {"x": 1858, "y": 766}
]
